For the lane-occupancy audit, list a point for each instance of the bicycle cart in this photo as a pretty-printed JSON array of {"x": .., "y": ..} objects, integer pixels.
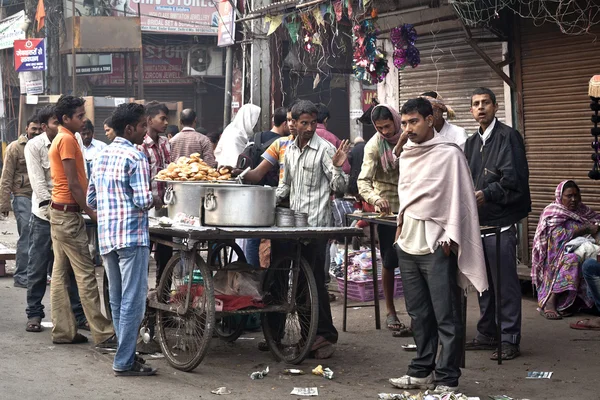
[{"x": 185, "y": 299}]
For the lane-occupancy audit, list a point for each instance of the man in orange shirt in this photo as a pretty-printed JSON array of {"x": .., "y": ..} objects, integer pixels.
[{"x": 67, "y": 227}]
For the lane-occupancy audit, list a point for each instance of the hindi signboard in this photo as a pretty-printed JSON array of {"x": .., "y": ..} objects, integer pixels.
[
  {"x": 187, "y": 17},
  {"x": 10, "y": 30},
  {"x": 226, "y": 33},
  {"x": 30, "y": 55}
]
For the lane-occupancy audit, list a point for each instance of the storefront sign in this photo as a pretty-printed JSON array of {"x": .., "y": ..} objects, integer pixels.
[
  {"x": 10, "y": 30},
  {"x": 187, "y": 17},
  {"x": 31, "y": 82},
  {"x": 367, "y": 97},
  {"x": 30, "y": 55},
  {"x": 163, "y": 65},
  {"x": 226, "y": 33},
  {"x": 91, "y": 64}
]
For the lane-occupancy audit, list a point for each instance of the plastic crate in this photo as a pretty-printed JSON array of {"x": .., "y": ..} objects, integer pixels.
[{"x": 363, "y": 291}]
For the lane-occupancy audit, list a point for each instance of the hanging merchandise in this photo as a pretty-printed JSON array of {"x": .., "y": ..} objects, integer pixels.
[
  {"x": 293, "y": 28},
  {"x": 369, "y": 62},
  {"x": 594, "y": 93},
  {"x": 403, "y": 38}
]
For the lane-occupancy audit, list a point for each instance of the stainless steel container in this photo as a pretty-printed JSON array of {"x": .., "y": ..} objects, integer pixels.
[
  {"x": 239, "y": 205},
  {"x": 300, "y": 219},
  {"x": 184, "y": 197},
  {"x": 284, "y": 217}
]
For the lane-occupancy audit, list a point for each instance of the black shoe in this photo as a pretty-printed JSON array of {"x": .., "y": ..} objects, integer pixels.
[
  {"x": 137, "y": 370},
  {"x": 78, "y": 339},
  {"x": 20, "y": 285},
  {"x": 109, "y": 344},
  {"x": 263, "y": 346}
]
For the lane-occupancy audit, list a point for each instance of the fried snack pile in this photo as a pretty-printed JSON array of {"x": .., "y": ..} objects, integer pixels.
[{"x": 192, "y": 169}]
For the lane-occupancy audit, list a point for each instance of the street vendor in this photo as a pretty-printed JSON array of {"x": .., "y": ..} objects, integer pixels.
[
  {"x": 443, "y": 128},
  {"x": 378, "y": 185},
  {"x": 312, "y": 169},
  {"x": 439, "y": 248}
]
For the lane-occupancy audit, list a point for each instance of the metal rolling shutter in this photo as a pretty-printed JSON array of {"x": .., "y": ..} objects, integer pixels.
[
  {"x": 556, "y": 71},
  {"x": 452, "y": 68},
  {"x": 166, "y": 93}
]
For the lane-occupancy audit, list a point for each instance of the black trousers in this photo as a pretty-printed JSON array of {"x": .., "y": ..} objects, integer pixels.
[
  {"x": 162, "y": 255},
  {"x": 314, "y": 253},
  {"x": 432, "y": 299}
]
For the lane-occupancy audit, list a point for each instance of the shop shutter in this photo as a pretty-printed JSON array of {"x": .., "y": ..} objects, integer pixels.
[
  {"x": 166, "y": 93},
  {"x": 452, "y": 68},
  {"x": 556, "y": 71}
]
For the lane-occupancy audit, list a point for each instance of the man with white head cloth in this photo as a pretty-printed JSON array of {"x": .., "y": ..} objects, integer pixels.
[
  {"x": 235, "y": 137},
  {"x": 443, "y": 128}
]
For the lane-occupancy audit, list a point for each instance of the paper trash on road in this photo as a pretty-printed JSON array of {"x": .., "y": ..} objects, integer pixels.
[
  {"x": 47, "y": 324},
  {"x": 311, "y": 391},
  {"x": 324, "y": 372},
  {"x": 539, "y": 375},
  {"x": 424, "y": 396},
  {"x": 259, "y": 374},
  {"x": 221, "y": 390},
  {"x": 293, "y": 372}
]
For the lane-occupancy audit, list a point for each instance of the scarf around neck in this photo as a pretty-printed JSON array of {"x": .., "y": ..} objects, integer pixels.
[{"x": 386, "y": 144}]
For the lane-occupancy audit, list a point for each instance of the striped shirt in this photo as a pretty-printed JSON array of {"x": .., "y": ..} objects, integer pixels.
[
  {"x": 159, "y": 156},
  {"x": 373, "y": 182},
  {"x": 309, "y": 177},
  {"x": 188, "y": 142},
  {"x": 275, "y": 154},
  {"x": 119, "y": 190}
]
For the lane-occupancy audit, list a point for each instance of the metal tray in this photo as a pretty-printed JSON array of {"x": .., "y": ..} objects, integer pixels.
[{"x": 229, "y": 181}]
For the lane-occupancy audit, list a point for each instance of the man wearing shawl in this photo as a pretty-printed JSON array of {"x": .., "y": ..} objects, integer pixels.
[
  {"x": 556, "y": 273},
  {"x": 439, "y": 248},
  {"x": 378, "y": 185},
  {"x": 443, "y": 128}
]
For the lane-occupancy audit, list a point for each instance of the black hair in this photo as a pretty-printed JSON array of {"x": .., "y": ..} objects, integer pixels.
[
  {"x": 108, "y": 122},
  {"x": 214, "y": 136},
  {"x": 381, "y": 113},
  {"x": 420, "y": 105},
  {"x": 188, "y": 116},
  {"x": 570, "y": 185},
  {"x": 430, "y": 94},
  {"x": 67, "y": 105},
  {"x": 291, "y": 105},
  {"x": 89, "y": 126},
  {"x": 127, "y": 114},
  {"x": 280, "y": 116},
  {"x": 172, "y": 129},
  {"x": 484, "y": 90},
  {"x": 323, "y": 112},
  {"x": 304, "y": 107},
  {"x": 45, "y": 114},
  {"x": 153, "y": 108},
  {"x": 33, "y": 119}
]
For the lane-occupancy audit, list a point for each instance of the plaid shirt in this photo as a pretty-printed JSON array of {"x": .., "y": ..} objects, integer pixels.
[
  {"x": 119, "y": 190},
  {"x": 159, "y": 156}
]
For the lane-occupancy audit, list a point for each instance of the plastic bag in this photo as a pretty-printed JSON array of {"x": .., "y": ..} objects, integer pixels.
[{"x": 238, "y": 283}]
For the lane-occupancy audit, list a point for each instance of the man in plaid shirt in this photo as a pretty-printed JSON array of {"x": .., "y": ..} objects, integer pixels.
[{"x": 119, "y": 190}]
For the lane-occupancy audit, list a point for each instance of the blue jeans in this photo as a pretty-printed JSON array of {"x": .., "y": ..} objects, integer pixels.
[
  {"x": 22, "y": 209},
  {"x": 40, "y": 258},
  {"x": 591, "y": 274},
  {"x": 252, "y": 250},
  {"x": 127, "y": 272}
]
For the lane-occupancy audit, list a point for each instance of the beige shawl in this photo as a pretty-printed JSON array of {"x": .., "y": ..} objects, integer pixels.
[{"x": 435, "y": 186}]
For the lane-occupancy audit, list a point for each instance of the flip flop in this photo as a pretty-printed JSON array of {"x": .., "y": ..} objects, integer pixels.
[
  {"x": 580, "y": 325},
  {"x": 392, "y": 322},
  {"x": 546, "y": 314},
  {"x": 34, "y": 324},
  {"x": 404, "y": 332}
]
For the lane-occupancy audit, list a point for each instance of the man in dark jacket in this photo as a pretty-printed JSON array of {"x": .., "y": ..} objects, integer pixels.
[
  {"x": 496, "y": 156},
  {"x": 356, "y": 159}
]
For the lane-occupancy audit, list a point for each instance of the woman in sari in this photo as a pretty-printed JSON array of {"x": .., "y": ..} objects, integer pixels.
[{"x": 555, "y": 273}]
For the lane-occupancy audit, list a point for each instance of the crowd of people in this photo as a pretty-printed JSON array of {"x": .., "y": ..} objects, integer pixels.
[{"x": 442, "y": 185}]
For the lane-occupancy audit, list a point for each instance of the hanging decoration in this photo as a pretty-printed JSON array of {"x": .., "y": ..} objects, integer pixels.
[
  {"x": 369, "y": 62},
  {"x": 403, "y": 38}
]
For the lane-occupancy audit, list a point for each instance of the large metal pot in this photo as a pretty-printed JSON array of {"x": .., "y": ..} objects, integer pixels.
[
  {"x": 239, "y": 205},
  {"x": 184, "y": 197}
]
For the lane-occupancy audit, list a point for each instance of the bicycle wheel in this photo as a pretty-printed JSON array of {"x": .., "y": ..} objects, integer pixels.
[
  {"x": 291, "y": 335},
  {"x": 222, "y": 253},
  {"x": 184, "y": 338}
]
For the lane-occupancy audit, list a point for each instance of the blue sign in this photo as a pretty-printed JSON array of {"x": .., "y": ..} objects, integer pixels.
[{"x": 30, "y": 55}]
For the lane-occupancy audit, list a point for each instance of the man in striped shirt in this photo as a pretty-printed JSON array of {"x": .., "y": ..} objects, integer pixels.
[
  {"x": 312, "y": 169},
  {"x": 119, "y": 190},
  {"x": 188, "y": 141}
]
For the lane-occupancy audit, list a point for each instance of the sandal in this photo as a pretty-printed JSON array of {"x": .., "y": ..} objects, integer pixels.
[
  {"x": 34, "y": 324},
  {"x": 78, "y": 339},
  {"x": 479, "y": 345},
  {"x": 404, "y": 332},
  {"x": 393, "y": 323},
  {"x": 85, "y": 326},
  {"x": 550, "y": 315},
  {"x": 583, "y": 326},
  {"x": 509, "y": 351},
  {"x": 137, "y": 370}
]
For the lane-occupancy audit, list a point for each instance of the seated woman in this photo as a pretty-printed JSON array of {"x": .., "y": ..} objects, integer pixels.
[{"x": 555, "y": 273}]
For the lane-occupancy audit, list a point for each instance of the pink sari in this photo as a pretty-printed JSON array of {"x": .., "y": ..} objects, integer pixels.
[{"x": 553, "y": 270}]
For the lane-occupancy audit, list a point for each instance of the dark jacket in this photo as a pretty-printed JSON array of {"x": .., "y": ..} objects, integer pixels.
[
  {"x": 500, "y": 170},
  {"x": 355, "y": 158}
]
